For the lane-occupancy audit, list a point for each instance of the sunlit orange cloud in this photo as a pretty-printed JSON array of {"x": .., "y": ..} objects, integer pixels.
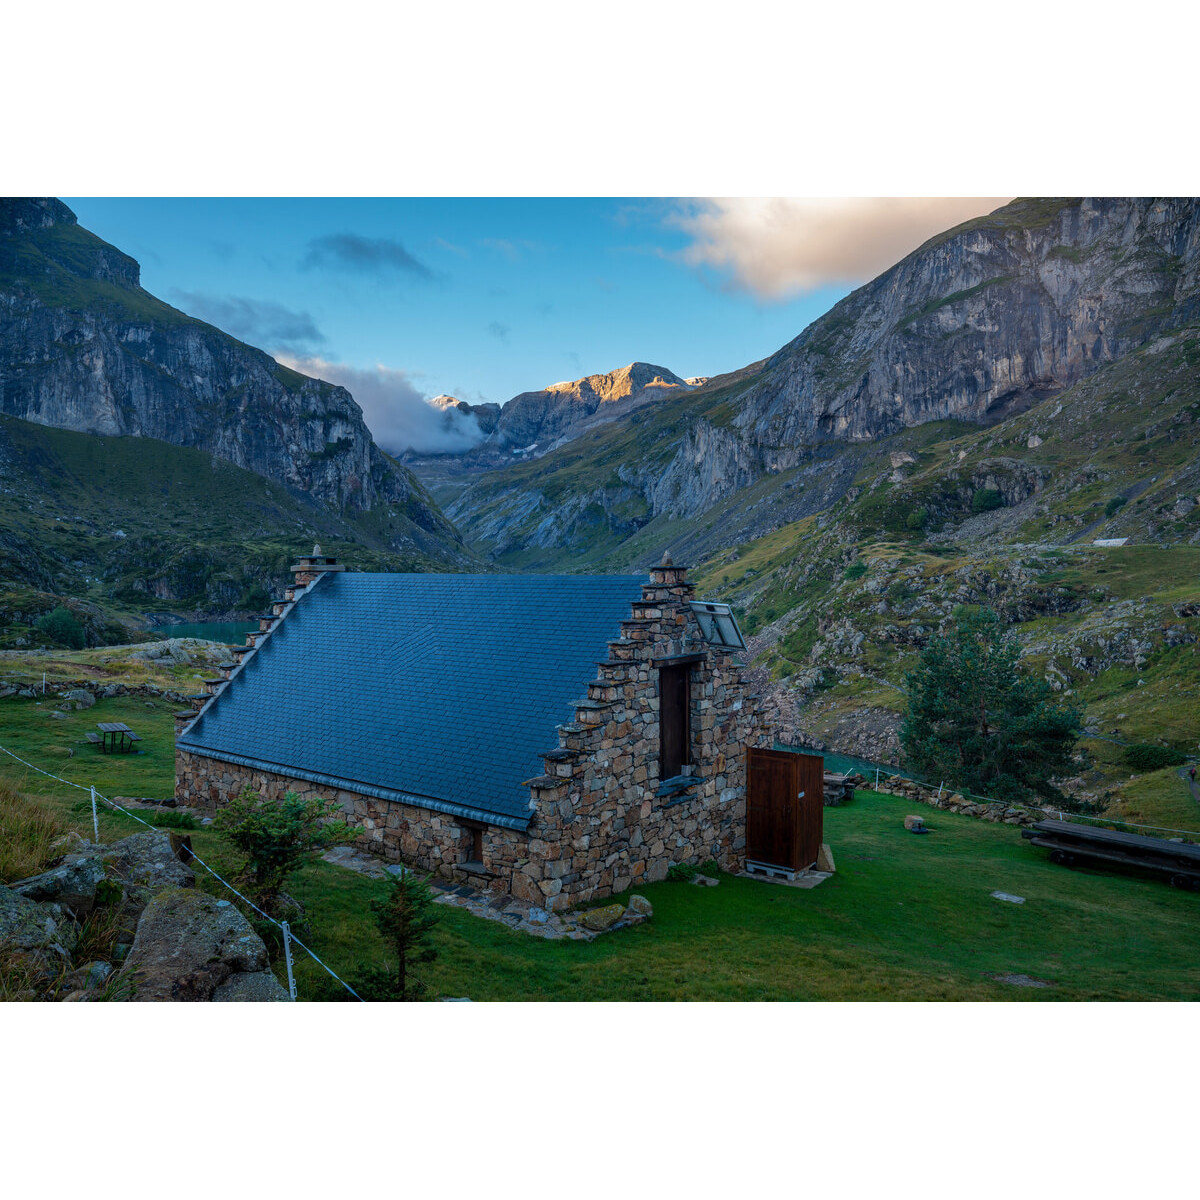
[{"x": 778, "y": 248}]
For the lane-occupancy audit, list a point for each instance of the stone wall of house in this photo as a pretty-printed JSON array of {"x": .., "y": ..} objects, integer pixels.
[
  {"x": 601, "y": 822},
  {"x": 400, "y": 832}
]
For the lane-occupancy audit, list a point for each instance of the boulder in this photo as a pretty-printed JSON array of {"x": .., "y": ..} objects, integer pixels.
[
  {"x": 187, "y": 944},
  {"x": 72, "y": 884},
  {"x": 825, "y": 859},
  {"x": 640, "y": 906},
  {"x": 251, "y": 986},
  {"x": 143, "y": 861},
  {"x": 88, "y": 977},
  {"x": 911, "y": 823},
  {"x": 600, "y": 919},
  {"x": 80, "y": 697},
  {"x": 41, "y": 935}
]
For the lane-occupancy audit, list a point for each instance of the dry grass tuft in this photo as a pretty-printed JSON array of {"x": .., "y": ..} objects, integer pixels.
[{"x": 27, "y": 831}]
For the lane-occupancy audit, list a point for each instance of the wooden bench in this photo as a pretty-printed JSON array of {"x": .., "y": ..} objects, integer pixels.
[
  {"x": 1070, "y": 842},
  {"x": 133, "y": 737},
  {"x": 94, "y": 738}
]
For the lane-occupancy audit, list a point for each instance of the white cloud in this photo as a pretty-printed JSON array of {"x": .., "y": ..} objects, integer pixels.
[
  {"x": 778, "y": 248},
  {"x": 398, "y": 415}
]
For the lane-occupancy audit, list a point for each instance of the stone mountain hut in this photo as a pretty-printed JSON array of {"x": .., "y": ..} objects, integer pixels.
[{"x": 556, "y": 737}]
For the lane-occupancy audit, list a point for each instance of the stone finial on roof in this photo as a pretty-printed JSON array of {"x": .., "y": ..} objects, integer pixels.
[
  {"x": 316, "y": 552},
  {"x": 666, "y": 559}
]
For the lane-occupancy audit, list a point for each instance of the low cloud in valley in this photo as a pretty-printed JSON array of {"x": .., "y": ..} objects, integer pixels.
[{"x": 398, "y": 415}]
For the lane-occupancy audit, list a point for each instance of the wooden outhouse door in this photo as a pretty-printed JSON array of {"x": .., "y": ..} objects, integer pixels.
[{"x": 785, "y": 808}]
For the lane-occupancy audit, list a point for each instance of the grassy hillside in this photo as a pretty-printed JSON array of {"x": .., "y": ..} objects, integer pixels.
[
  {"x": 840, "y": 603},
  {"x": 123, "y": 526}
]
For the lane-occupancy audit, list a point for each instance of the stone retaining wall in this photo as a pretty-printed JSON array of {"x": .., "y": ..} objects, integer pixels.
[{"x": 995, "y": 810}]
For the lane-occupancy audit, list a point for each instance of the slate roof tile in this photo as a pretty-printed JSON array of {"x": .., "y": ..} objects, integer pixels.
[{"x": 448, "y": 687}]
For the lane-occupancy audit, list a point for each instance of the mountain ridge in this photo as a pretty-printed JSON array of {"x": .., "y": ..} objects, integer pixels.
[
  {"x": 978, "y": 324},
  {"x": 86, "y": 348}
]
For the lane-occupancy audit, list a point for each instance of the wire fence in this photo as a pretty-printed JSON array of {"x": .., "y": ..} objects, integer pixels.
[
  {"x": 884, "y": 770},
  {"x": 282, "y": 926}
]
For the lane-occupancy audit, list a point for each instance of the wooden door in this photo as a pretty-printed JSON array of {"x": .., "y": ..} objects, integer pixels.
[{"x": 785, "y": 807}]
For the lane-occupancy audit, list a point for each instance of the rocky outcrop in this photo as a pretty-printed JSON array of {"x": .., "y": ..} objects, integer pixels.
[
  {"x": 533, "y": 423},
  {"x": 188, "y": 944},
  {"x": 177, "y": 943},
  {"x": 486, "y": 415},
  {"x": 41, "y": 936},
  {"x": 84, "y": 347}
]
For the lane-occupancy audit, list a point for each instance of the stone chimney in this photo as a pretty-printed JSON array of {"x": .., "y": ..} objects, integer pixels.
[
  {"x": 311, "y": 567},
  {"x": 668, "y": 581}
]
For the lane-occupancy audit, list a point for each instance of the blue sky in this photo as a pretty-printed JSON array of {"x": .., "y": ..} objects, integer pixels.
[{"x": 484, "y": 298}]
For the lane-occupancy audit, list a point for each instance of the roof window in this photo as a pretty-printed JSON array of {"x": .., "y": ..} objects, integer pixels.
[{"x": 718, "y": 625}]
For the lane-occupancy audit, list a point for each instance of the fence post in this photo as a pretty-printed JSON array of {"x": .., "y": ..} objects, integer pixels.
[
  {"x": 95, "y": 819},
  {"x": 877, "y": 779},
  {"x": 287, "y": 955},
  {"x": 940, "y": 786}
]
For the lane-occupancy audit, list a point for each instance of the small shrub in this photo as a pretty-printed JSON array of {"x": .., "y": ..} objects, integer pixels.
[
  {"x": 916, "y": 519},
  {"x": 681, "y": 873},
  {"x": 986, "y": 499},
  {"x": 1114, "y": 505},
  {"x": 167, "y": 819},
  {"x": 405, "y": 917},
  {"x": 279, "y": 838},
  {"x": 1147, "y": 757},
  {"x": 855, "y": 571},
  {"x": 710, "y": 868},
  {"x": 61, "y": 626}
]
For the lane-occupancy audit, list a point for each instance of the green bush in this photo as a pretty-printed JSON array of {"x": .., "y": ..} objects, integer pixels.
[
  {"x": 1114, "y": 505},
  {"x": 985, "y": 499},
  {"x": 278, "y": 838},
  {"x": 61, "y": 626},
  {"x": 1147, "y": 757},
  {"x": 681, "y": 873},
  {"x": 917, "y": 518},
  {"x": 855, "y": 571}
]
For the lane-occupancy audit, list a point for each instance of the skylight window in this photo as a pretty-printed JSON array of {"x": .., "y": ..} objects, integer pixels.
[{"x": 718, "y": 625}]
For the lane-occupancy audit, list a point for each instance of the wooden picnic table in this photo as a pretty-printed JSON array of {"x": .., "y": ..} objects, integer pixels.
[
  {"x": 115, "y": 737},
  {"x": 1070, "y": 842}
]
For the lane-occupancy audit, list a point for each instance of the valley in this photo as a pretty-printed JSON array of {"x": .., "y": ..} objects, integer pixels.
[{"x": 956, "y": 433}]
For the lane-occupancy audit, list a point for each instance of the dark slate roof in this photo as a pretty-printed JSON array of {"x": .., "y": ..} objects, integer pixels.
[{"x": 438, "y": 690}]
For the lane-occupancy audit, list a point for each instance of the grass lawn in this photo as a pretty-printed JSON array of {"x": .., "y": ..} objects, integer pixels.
[{"x": 904, "y": 918}]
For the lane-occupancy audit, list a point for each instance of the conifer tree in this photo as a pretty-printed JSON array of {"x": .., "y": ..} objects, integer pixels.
[
  {"x": 977, "y": 718},
  {"x": 405, "y": 917}
]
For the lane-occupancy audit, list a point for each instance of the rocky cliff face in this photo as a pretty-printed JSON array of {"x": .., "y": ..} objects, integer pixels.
[
  {"x": 84, "y": 347},
  {"x": 984, "y": 320}
]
